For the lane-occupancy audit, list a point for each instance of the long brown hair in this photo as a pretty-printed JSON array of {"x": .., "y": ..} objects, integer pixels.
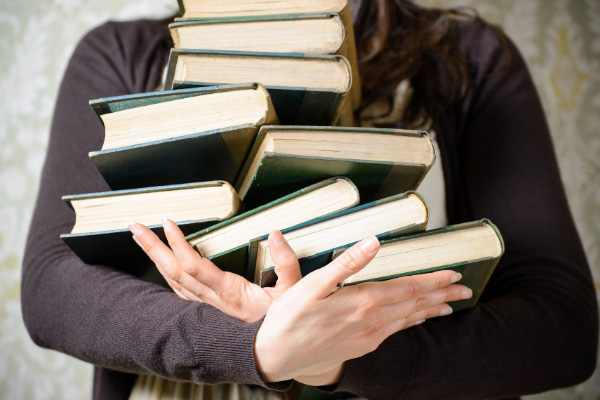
[{"x": 398, "y": 40}]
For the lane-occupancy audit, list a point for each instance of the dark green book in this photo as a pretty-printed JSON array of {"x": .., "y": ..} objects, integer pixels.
[
  {"x": 226, "y": 243},
  {"x": 278, "y": 9},
  {"x": 101, "y": 235},
  {"x": 380, "y": 162},
  {"x": 181, "y": 136},
  {"x": 315, "y": 242},
  {"x": 309, "y": 33},
  {"x": 472, "y": 248},
  {"x": 305, "y": 89}
]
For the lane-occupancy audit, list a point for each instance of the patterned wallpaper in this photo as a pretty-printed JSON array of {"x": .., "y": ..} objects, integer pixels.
[{"x": 559, "y": 38}]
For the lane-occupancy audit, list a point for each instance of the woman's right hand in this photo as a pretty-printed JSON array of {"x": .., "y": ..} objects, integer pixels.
[{"x": 315, "y": 326}]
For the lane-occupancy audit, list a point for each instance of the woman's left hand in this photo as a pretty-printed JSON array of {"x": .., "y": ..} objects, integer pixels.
[{"x": 193, "y": 277}]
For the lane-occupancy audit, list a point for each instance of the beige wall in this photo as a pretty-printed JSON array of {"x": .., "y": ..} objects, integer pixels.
[{"x": 560, "y": 40}]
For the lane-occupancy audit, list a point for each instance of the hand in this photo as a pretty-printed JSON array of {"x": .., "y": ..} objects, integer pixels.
[
  {"x": 193, "y": 277},
  {"x": 315, "y": 326}
]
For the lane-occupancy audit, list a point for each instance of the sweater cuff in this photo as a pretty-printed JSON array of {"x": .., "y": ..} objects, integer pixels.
[
  {"x": 370, "y": 375},
  {"x": 225, "y": 350}
]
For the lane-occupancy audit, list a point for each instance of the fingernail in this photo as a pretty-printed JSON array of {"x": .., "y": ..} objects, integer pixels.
[
  {"x": 138, "y": 242},
  {"x": 278, "y": 238},
  {"x": 419, "y": 322},
  {"x": 165, "y": 223},
  {"x": 369, "y": 245},
  {"x": 135, "y": 229},
  {"x": 446, "y": 311},
  {"x": 467, "y": 293},
  {"x": 456, "y": 277}
]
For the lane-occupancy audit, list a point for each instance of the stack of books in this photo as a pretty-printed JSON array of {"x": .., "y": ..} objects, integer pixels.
[{"x": 249, "y": 137}]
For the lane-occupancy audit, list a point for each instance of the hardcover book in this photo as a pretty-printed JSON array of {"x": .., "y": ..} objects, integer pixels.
[
  {"x": 380, "y": 162},
  {"x": 472, "y": 248},
  {"x": 101, "y": 234},
  {"x": 181, "y": 136},
  {"x": 314, "y": 243},
  {"x": 226, "y": 243},
  {"x": 305, "y": 89},
  {"x": 288, "y": 33}
]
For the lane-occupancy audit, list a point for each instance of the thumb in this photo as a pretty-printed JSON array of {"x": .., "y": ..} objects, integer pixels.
[
  {"x": 325, "y": 280},
  {"x": 286, "y": 263}
]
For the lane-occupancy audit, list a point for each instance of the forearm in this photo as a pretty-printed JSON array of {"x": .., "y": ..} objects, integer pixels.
[
  {"x": 116, "y": 321},
  {"x": 522, "y": 342},
  {"x": 536, "y": 325},
  {"x": 96, "y": 313}
]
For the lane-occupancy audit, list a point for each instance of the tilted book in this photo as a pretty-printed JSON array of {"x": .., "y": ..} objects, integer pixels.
[
  {"x": 315, "y": 242},
  {"x": 172, "y": 137},
  {"x": 226, "y": 243},
  {"x": 101, "y": 234},
  {"x": 380, "y": 162},
  {"x": 472, "y": 248},
  {"x": 304, "y": 89}
]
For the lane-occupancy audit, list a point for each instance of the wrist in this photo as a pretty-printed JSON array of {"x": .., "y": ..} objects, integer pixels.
[
  {"x": 329, "y": 378},
  {"x": 263, "y": 356}
]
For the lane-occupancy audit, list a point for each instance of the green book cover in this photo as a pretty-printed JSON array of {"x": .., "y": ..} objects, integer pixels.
[
  {"x": 214, "y": 154},
  {"x": 116, "y": 248},
  {"x": 293, "y": 102},
  {"x": 282, "y": 9},
  {"x": 235, "y": 258},
  {"x": 472, "y": 248},
  {"x": 405, "y": 213},
  {"x": 268, "y": 171},
  {"x": 325, "y": 33}
]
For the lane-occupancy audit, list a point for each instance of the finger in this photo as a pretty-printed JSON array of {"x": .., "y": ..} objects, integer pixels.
[
  {"x": 407, "y": 287},
  {"x": 324, "y": 280},
  {"x": 181, "y": 291},
  {"x": 286, "y": 263},
  {"x": 196, "y": 266},
  {"x": 166, "y": 261},
  {"x": 154, "y": 248},
  {"x": 430, "y": 305},
  {"x": 430, "y": 299},
  {"x": 435, "y": 311},
  {"x": 176, "y": 287},
  {"x": 415, "y": 323}
]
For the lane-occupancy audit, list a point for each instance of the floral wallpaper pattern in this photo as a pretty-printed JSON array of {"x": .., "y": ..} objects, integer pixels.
[{"x": 560, "y": 40}]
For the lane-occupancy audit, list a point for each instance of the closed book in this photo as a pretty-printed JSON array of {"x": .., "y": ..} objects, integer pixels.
[
  {"x": 472, "y": 248},
  {"x": 307, "y": 33},
  {"x": 172, "y": 137},
  {"x": 304, "y": 89},
  {"x": 315, "y": 242},
  {"x": 380, "y": 162},
  {"x": 226, "y": 243},
  {"x": 101, "y": 235}
]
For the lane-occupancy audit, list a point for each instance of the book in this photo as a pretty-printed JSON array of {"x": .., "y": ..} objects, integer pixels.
[
  {"x": 380, "y": 162},
  {"x": 101, "y": 235},
  {"x": 226, "y": 243},
  {"x": 304, "y": 89},
  {"x": 231, "y": 8},
  {"x": 172, "y": 137},
  {"x": 472, "y": 248},
  {"x": 310, "y": 33},
  {"x": 314, "y": 243}
]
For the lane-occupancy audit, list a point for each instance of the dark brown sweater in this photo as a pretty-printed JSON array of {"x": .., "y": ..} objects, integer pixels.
[{"x": 534, "y": 329}]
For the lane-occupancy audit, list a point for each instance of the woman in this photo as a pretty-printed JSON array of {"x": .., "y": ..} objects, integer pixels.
[{"x": 534, "y": 329}]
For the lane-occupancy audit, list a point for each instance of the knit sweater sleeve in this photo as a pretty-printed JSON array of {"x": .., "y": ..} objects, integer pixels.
[
  {"x": 93, "y": 312},
  {"x": 536, "y": 326}
]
